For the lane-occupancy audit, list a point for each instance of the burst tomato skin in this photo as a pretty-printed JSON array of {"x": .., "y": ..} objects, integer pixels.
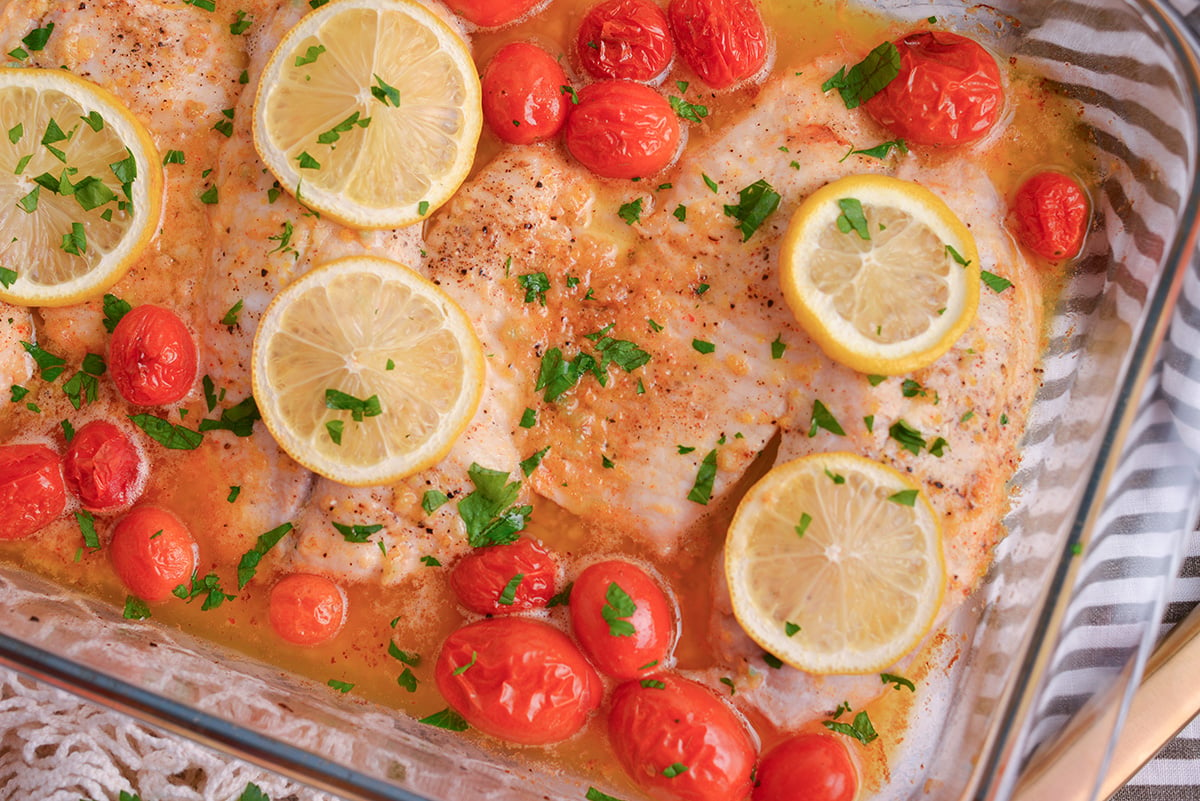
[
  {"x": 613, "y": 648},
  {"x": 807, "y": 767},
  {"x": 493, "y": 13},
  {"x": 1051, "y": 215},
  {"x": 480, "y": 578},
  {"x": 627, "y": 39},
  {"x": 32, "y": 493},
  {"x": 306, "y": 609},
  {"x": 152, "y": 552},
  {"x": 152, "y": 357},
  {"x": 518, "y": 679},
  {"x": 103, "y": 467},
  {"x": 652, "y": 728},
  {"x": 723, "y": 41},
  {"x": 622, "y": 129},
  {"x": 523, "y": 99},
  {"x": 949, "y": 91}
]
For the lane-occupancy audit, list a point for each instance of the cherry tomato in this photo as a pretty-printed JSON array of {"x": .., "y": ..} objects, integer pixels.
[
  {"x": 677, "y": 740},
  {"x": 622, "y": 619},
  {"x": 152, "y": 552},
  {"x": 481, "y": 578},
  {"x": 31, "y": 489},
  {"x": 948, "y": 91},
  {"x": 723, "y": 41},
  {"x": 625, "y": 39},
  {"x": 1051, "y": 214},
  {"x": 523, "y": 98},
  {"x": 493, "y": 13},
  {"x": 306, "y": 609},
  {"x": 518, "y": 679},
  {"x": 622, "y": 129},
  {"x": 807, "y": 767},
  {"x": 152, "y": 357},
  {"x": 103, "y": 467}
]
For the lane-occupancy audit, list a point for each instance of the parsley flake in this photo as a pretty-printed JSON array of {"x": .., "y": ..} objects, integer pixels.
[
  {"x": 756, "y": 203},
  {"x": 868, "y": 77},
  {"x": 618, "y": 606},
  {"x": 701, "y": 491}
]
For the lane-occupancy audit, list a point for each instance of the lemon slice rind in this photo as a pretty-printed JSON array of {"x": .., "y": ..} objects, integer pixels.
[
  {"x": 376, "y": 174},
  {"x": 105, "y": 259},
  {"x": 862, "y": 577},
  {"x": 366, "y": 326},
  {"x": 948, "y": 317}
]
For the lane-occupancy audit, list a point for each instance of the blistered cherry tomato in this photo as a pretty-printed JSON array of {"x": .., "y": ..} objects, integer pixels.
[
  {"x": 622, "y": 619},
  {"x": 103, "y": 467},
  {"x": 152, "y": 357},
  {"x": 1051, "y": 215},
  {"x": 31, "y": 489},
  {"x": 622, "y": 129},
  {"x": 807, "y": 767},
  {"x": 625, "y": 39},
  {"x": 517, "y": 679},
  {"x": 523, "y": 97},
  {"x": 306, "y": 609},
  {"x": 677, "y": 740},
  {"x": 152, "y": 552},
  {"x": 723, "y": 41},
  {"x": 493, "y": 13},
  {"x": 948, "y": 91},
  {"x": 486, "y": 580}
]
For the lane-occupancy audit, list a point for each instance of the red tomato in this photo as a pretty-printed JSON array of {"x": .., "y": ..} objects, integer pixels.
[
  {"x": 625, "y": 39},
  {"x": 493, "y": 13},
  {"x": 1051, "y": 213},
  {"x": 480, "y": 578},
  {"x": 625, "y": 646},
  {"x": 622, "y": 129},
  {"x": 518, "y": 679},
  {"x": 523, "y": 99},
  {"x": 152, "y": 552},
  {"x": 306, "y": 609},
  {"x": 948, "y": 91},
  {"x": 679, "y": 741},
  {"x": 723, "y": 41},
  {"x": 103, "y": 467},
  {"x": 808, "y": 767},
  {"x": 152, "y": 357},
  {"x": 31, "y": 489}
]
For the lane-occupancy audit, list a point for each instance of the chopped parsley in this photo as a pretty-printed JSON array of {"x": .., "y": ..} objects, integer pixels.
[
  {"x": 331, "y": 136},
  {"x": 508, "y": 596},
  {"x": 167, "y": 434},
  {"x": 680, "y": 213},
  {"x": 994, "y": 282},
  {"x": 357, "y": 533},
  {"x": 852, "y": 218},
  {"x": 823, "y": 418},
  {"x": 490, "y": 513},
  {"x": 868, "y": 77},
  {"x": 461, "y": 669},
  {"x": 237, "y": 419},
  {"x": 209, "y": 587},
  {"x": 790, "y": 628},
  {"x": 340, "y": 686},
  {"x": 7, "y": 277},
  {"x": 234, "y": 492},
  {"x": 881, "y": 150},
  {"x": 906, "y": 497},
  {"x": 861, "y": 729},
  {"x": 562, "y": 598},
  {"x": 433, "y": 500},
  {"x": 310, "y": 55},
  {"x": 631, "y": 212},
  {"x": 700, "y": 346},
  {"x": 701, "y": 491},
  {"x": 530, "y": 464},
  {"x": 710, "y": 183},
  {"x": 384, "y": 92},
  {"x": 535, "y": 285},
  {"x": 772, "y": 661},
  {"x": 756, "y": 203},
  {"x": 956, "y": 256},
  {"x": 691, "y": 112},
  {"x": 778, "y": 347},
  {"x": 898, "y": 682},
  {"x": 910, "y": 439},
  {"x": 248, "y": 565},
  {"x": 36, "y": 39},
  {"x": 135, "y": 608},
  {"x": 617, "y": 607},
  {"x": 307, "y": 162},
  {"x": 231, "y": 316},
  {"x": 674, "y": 769},
  {"x": 240, "y": 23},
  {"x": 358, "y": 408},
  {"x": 87, "y": 527},
  {"x": 528, "y": 418},
  {"x": 802, "y": 526},
  {"x": 446, "y": 719}
]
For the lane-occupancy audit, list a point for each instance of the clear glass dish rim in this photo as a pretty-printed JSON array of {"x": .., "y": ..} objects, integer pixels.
[{"x": 239, "y": 742}]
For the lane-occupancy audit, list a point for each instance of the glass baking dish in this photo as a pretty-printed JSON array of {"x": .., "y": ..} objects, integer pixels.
[{"x": 1131, "y": 66}]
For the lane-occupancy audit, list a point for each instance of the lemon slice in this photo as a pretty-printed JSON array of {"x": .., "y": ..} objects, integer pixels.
[
  {"x": 880, "y": 273},
  {"x": 834, "y": 564},
  {"x": 365, "y": 372},
  {"x": 80, "y": 188},
  {"x": 369, "y": 111}
]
